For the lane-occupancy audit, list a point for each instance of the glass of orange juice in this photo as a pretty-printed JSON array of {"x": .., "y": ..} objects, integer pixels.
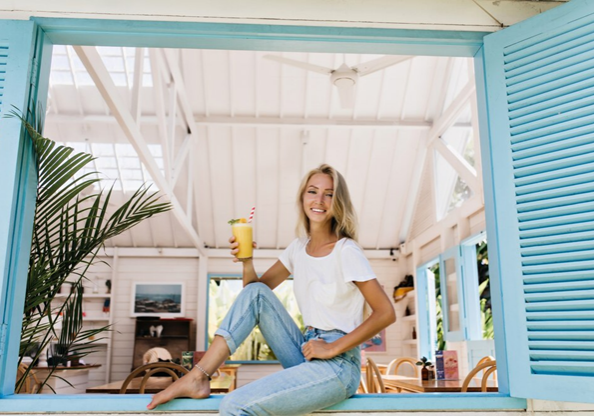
[{"x": 242, "y": 231}]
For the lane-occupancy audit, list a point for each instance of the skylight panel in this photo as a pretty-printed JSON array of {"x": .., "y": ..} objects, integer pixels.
[
  {"x": 61, "y": 78},
  {"x": 129, "y": 162},
  {"x": 102, "y": 149},
  {"x": 131, "y": 174},
  {"x": 60, "y": 63}
]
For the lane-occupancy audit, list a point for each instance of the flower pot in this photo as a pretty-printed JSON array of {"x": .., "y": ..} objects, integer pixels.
[{"x": 424, "y": 373}]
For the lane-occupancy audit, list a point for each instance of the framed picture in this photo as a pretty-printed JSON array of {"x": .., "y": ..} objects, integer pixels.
[
  {"x": 375, "y": 344},
  {"x": 165, "y": 300}
]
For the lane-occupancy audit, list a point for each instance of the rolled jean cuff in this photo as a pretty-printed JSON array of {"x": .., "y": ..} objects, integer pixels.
[{"x": 228, "y": 338}]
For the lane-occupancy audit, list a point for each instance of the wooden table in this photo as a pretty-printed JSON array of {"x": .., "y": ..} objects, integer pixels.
[
  {"x": 64, "y": 380},
  {"x": 416, "y": 385},
  {"x": 221, "y": 384}
]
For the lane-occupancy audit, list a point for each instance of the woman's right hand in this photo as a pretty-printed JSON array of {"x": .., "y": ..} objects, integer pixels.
[{"x": 234, "y": 246}]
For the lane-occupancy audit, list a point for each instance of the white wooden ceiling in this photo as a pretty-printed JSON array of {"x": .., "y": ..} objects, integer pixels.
[{"x": 257, "y": 127}]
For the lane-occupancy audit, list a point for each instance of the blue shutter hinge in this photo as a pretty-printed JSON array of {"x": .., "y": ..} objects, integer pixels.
[
  {"x": 3, "y": 333},
  {"x": 34, "y": 72}
]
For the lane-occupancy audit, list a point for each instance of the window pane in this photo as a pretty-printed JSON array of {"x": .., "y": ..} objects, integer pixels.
[
  {"x": 222, "y": 293},
  {"x": 452, "y": 295}
]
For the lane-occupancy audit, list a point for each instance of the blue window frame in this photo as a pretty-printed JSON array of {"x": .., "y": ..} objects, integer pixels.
[{"x": 524, "y": 369}]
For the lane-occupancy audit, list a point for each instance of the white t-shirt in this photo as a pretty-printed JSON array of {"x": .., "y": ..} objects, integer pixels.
[{"x": 324, "y": 288}]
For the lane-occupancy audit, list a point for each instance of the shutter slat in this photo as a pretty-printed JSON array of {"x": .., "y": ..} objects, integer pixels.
[
  {"x": 522, "y": 92},
  {"x": 563, "y": 368},
  {"x": 561, "y": 94},
  {"x": 560, "y": 316},
  {"x": 559, "y": 117},
  {"x": 563, "y": 220},
  {"x": 557, "y": 239},
  {"x": 530, "y": 107},
  {"x": 556, "y": 179},
  {"x": 571, "y": 67},
  {"x": 553, "y": 277},
  {"x": 571, "y": 195},
  {"x": 561, "y": 305},
  {"x": 570, "y": 126},
  {"x": 556, "y": 207},
  {"x": 524, "y": 68},
  {"x": 545, "y": 41},
  {"x": 561, "y": 335},
  {"x": 556, "y": 165},
  {"x": 583, "y": 356},
  {"x": 566, "y": 257},
  {"x": 558, "y": 287},
  {"x": 546, "y": 116},
  {"x": 558, "y": 296},
  {"x": 558, "y": 248},
  {"x": 562, "y": 345},
  {"x": 560, "y": 325},
  {"x": 557, "y": 230},
  {"x": 556, "y": 151},
  {"x": 569, "y": 266},
  {"x": 536, "y": 143}
]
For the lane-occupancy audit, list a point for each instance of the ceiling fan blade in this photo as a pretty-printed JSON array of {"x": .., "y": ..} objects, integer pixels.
[
  {"x": 346, "y": 92},
  {"x": 300, "y": 64},
  {"x": 378, "y": 64}
]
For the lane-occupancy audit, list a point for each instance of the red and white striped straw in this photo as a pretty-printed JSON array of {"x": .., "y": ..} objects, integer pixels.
[{"x": 251, "y": 214}]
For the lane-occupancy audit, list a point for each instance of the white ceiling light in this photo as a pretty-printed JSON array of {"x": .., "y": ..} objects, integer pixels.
[{"x": 344, "y": 77}]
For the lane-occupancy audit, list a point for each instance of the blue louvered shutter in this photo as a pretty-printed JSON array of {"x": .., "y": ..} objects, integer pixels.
[
  {"x": 539, "y": 193},
  {"x": 21, "y": 47}
]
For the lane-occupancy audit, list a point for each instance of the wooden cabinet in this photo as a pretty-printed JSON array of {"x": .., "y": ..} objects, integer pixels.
[{"x": 174, "y": 337}]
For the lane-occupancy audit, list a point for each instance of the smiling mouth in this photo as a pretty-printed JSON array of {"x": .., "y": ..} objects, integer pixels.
[{"x": 320, "y": 211}]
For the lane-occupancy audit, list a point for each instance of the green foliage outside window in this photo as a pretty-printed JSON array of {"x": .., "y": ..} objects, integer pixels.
[{"x": 223, "y": 292}]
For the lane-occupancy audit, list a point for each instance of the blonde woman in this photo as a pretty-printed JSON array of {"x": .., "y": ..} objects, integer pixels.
[{"x": 332, "y": 281}]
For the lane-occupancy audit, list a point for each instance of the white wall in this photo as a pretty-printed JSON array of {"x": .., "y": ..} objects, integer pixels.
[{"x": 175, "y": 269}]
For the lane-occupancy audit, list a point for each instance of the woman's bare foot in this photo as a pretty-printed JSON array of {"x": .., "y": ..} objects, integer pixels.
[{"x": 193, "y": 385}]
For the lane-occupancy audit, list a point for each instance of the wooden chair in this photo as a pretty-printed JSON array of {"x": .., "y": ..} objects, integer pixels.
[
  {"x": 31, "y": 384},
  {"x": 149, "y": 369},
  {"x": 395, "y": 364},
  {"x": 374, "y": 381},
  {"x": 488, "y": 367}
]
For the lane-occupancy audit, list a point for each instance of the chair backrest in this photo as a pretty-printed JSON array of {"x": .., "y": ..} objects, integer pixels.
[
  {"x": 488, "y": 367},
  {"x": 485, "y": 359},
  {"x": 31, "y": 385},
  {"x": 395, "y": 364},
  {"x": 375, "y": 383},
  {"x": 149, "y": 369}
]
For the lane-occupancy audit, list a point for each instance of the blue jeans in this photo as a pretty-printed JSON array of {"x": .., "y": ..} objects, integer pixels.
[{"x": 303, "y": 386}]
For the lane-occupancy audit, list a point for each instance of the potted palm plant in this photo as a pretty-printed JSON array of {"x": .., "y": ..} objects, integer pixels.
[{"x": 70, "y": 226}]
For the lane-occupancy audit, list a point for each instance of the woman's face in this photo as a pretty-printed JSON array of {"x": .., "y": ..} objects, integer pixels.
[{"x": 317, "y": 199}]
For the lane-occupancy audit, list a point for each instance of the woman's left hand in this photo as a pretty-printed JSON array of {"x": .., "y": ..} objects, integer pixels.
[{"x": 317, "y": 348}]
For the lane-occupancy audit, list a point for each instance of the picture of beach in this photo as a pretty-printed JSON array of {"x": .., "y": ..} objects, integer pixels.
[{"x": 156, "y": 299}]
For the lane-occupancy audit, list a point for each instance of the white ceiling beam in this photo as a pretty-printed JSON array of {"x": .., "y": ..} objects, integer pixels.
[
  {"x": 272, "y": 122},
  {"x": 413, "y": 192},
  {"x": 449, "y": 116},
  {"x": 98, "y": 72},
  {"x": 462, "y": 167},
  {"x": 159, "y": 108},
  {"x": 181, "y": 157},
  {"x": 180, "y": 88},
  {"x": 137, "y": 84}
]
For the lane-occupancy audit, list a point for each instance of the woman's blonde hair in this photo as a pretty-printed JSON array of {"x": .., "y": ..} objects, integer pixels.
[{"x": 344, "y": 219}]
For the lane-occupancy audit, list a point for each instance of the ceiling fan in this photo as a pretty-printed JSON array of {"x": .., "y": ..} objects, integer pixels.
[{"x": 344, "y": 77}]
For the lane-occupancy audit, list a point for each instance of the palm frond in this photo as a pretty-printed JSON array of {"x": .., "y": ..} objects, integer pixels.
[{"x": 69, "y": 229}]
